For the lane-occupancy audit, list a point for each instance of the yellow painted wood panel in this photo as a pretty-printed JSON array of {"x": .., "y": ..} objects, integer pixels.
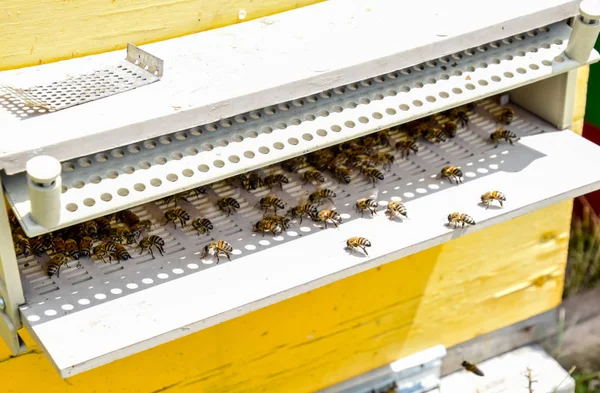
[
  {"x": 444, "y": 295},
  {"x": 34, "y": 32}
]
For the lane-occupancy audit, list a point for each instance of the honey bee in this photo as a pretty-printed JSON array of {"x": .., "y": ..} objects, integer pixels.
[
  {"x": 383, "y": 138},
  {"x": 217, "y": 247},
  {"x": 449, "y": 128},
  {"x": 373, "y": 174},
  {"x": 506, "y": 116},
  {"x": 320, "y": 195},
  {"x": 502, "y": 134},
  {"x": 472, "y": 368},
  {"x": 272, "y": 180},
  {"x": 152, "y": 241},
  {"x": 294, "y": 164},
  {"x": 457, "y": 218},
  {"x": 343, "y": 174},
  {"x": 386, "y": 159},
  {"x": 104, "y": 250},
  {"x": 281, "y": 220},
  {"x": 362, "y": 160},
  {"x": 177, "y": 214},
  {"x": 452, "y": 172},
  {"x": 228, "y": 204},
  {"x": 174, "y": 199},
  {"x": 103, "y": 226},
  {"x": 127, "y": 217},
  {"x": 198, "y": 191},
  {"x": 302, "y": 211},
  {"x": 55, "y": 264},
  {"x": 122, "y": 234},
  {"x": 251, "y": 181},
  {"x": 12, "y": 218},
  {"x": 58, "y": 245},
  {"x": 366, "y": 204},
  {"x": 46, "y": 240},
  {"x": 492, "y": 196},
  {"x": 461, "y": 115},
  {"x": 90, "y": 228},
  {"x": 37, "y": 246},
  {"x": 396, "y": 208},
  {"x": 271, "y": 202},
  {"x": 328, "y": 216},
  {"x": 22, "y": 244},
  {"x": 406, "y": 146},
  {"x": 203, "y": 226},
  {"x": 142, "y": 226},
  {"x": 392, "y": 388},
  {"x": 313, "y": 176},
  {"x": 72, "y": 248},
  {"x": 85, "y": 246},
  {"x": 268, "y": 225},
  {"x": 120, "y": 253},
  {"x": 358, "y": 242},
  {"x": 435, "y": 135}
]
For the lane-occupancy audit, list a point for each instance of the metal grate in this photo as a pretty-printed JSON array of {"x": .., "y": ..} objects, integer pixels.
[
  {"x": 139, "y": 69},
  {"x": 407, "y": 180},
  {"x": 130, "y": 175}
]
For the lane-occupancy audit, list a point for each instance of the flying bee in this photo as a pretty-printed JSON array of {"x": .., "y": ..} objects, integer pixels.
[
  {"x": 396, "y": 208},
  {"x": 281, "y": 220},
  {"x": 358, "y": 242},
  {"x": 386, "y": 159},
  {"x": 367, "y": 204},
  {"x": 435, "y": 135},
  {"x": 72, "y": 249},
  {"x": 452, "y": 172},
  {"x": 22, "y": 244},
  {"x": 268, "y": 225},
  {"x": 294, "y": 164},
  {"x": 103, "y": 226},
  {"x": 127, "y": 217},
  {"x": 321, "y": 195},
  {"x": 406, "y": 146},
  {"x": 313, "y": 176},
  {"x": 55, "y": 264},
  {"x": 502, "y": 134},
  {"x": 506, "y": 116},
  {"x": 302, "y": 211},
  {"x": 449, "y": 128},
  {"x": 120, "y": 253},
  {"x": 217, "y": 247},
  {"x": 460, "y": 115},
  {"x": 492, "y": 196},
  {"x": 373, "y": 174},
  {"x": 279, "y": 179},
  {"x": 37, "y": 246},
  {"x": 228, "y": 204},
  {"x": 85, "y": 246},
  {"x": 252, "y": 182},
  {"x": 269, "y": 202},
  {"x": 457, "y": 218},
  {"x": 343, "y": 174},
  {"x": 177, "y": 214},
  {"x": 472, "y": 368},
  {"x": 152, "y": 241},
  {"x": 90, "y": 228},
  {"x": 58, "y": 245},
  {"x": 203, "y": 226},
  {"x": 328, "y": 216}
]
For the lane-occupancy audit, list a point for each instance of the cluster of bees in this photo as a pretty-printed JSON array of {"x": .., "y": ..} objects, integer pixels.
[{"x": 105, "y": 238}]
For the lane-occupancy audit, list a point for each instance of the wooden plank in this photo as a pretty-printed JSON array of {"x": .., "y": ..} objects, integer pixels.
[{"x": 44, "y": 31}]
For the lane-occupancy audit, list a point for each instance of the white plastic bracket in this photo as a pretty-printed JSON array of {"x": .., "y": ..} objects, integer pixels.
[
  {"x": 586, "y": 27},
  {"x": 417, "y": 373},
  {"x": 44, "y": 185},
  {"x": 11, "y": 291}
]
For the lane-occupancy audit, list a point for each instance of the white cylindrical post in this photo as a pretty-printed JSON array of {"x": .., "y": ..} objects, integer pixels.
[
  {"x": 44, "y": 183},
  {"x": 586, "y": 27}
]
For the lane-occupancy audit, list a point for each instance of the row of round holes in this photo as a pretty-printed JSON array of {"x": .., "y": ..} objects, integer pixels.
[
  {"x": 265, "y": 242},
  {"x": 123, "y": 192}
]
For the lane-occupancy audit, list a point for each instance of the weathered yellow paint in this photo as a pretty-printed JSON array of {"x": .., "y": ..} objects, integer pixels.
[
  {"x": 34, "y": 32},
  {"x": 444, "y": 295}
]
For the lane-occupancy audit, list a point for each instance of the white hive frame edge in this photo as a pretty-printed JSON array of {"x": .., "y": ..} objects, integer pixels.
[{"x": 131, "y": 175}]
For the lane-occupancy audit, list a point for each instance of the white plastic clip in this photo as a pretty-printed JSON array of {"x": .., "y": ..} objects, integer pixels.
[
  {"x": 45, "y": 186},
  {"x": 586, "y": 27}
]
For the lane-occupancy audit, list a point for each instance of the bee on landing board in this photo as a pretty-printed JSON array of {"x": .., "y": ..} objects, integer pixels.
[
  {"x": 460, "y": 115},
  {"x": 321, "y": 195},
  {"x": 343, "y": 174},
  {"x": 502, "y": 135},
  {"x": 328, "y": 216},
  {"x": 85, "y": 246},
  {"x": 277, "y": 179},
  {"x": 228, "y": 204},
  {"x": 492, "y": 196},
  {"x": 406, "y": 146},
  {"x": 271, "y": 202},
  {"x": 506, "y": 116},
  {"x": 452, "y": 172},
  {"x": 268, "y": 225},
  {"x": 217, "y": 247},
  {"x": 454, "y": 219},
  {"x": 281, "y": 220},
  {"x": 303, "y": 210},
  {"x": 373, "y": 174},
  {"x": 203, "y": 226},
  {"x": 472, "y": 368},
  {"x": 313, "y": 176},
  {"x": 55, "y": 264},
  {"x": 176, "y": 214},
  {"x": 72, "y": 249},
  {"x": 366, "y": 204},
  {"x": 396, "y": 208},
  {"x": 358, "y": 242},
  {"x": 152, "y": 241}
]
